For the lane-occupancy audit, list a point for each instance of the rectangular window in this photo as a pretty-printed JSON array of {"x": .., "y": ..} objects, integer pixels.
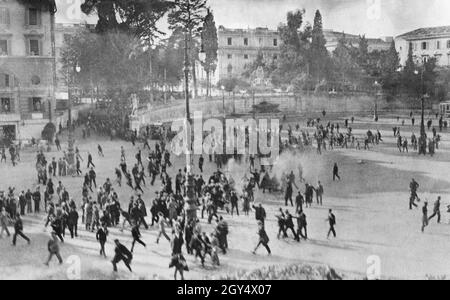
[
  {"x": 245, "y": 56},
  {"x": 4, "y": 16},
  {"x": 448, "y": 58},
  {"x": 275, "y": 57},
  {"x": 448, "y": 44},
  {"x": 37, "y": 104},
  {"x": 245, "y": 41},
  {"x": 34, "y": 47},
  {"x": 6, "y": 105},
  {"x": 229, "y": 56},
  {"x": 3, "y": 47},
  {"x": 275, "y": 42},
  {"x": 438, "y": 45},
  {"x": 230, "y": 41},
  {"x": 260, "y": 41},
  {"x": 4, "y": 80},
  {"x": 424, "y": 45},
  {"x": 33, "y": 16}
]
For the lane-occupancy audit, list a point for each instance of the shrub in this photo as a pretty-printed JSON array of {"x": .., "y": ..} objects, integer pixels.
[{"x": 49, "y": 132}]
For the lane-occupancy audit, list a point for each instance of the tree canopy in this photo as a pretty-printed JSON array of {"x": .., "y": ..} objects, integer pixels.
[{"x": 138, "y": 17}]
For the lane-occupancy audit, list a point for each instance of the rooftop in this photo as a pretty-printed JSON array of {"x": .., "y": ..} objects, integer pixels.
[
  {"x": 240, "y": 30},
  {"x": 427, "y": 32},
  {"x": 331, "y": 34}
]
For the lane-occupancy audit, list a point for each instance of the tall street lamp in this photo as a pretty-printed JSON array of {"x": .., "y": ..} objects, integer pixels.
[
  {"x": 378, "y": 93},
  {"x": 202, "y": 59},
  {"x": 423, "y": 135},
  {"x": 190, "y": 200},
  {"x": 223, "y": 101},
  {"x": 71, "y": 142}
]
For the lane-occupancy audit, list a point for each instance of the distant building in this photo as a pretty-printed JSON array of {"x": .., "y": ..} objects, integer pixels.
[
  {"x": 426, "y": 43},
  {"x": 238, "y": 47},
  {"x": 333, "y": 37},
  {"x": 27, "y": 68}
]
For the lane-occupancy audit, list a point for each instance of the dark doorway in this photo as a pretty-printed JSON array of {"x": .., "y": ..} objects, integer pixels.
[{"x": 7, "y": 134}]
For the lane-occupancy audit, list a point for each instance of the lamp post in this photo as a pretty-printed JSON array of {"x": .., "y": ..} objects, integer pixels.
[
  {"x": 202, "y": 59},
  {"x": 190, "y": 199},
  {"x": 423, "y": 134},
  {"x": 71, "y": 156},
  {"x": 377, "y": 86}
]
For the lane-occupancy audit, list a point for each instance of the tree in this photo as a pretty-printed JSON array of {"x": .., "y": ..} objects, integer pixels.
[
  {"x": 228, "y": 84},
  {"x": 170, "y": 63},
  {"x": 254, "y": 65},
  {"x": 116, "y": 62},
  {"x": 411, "y": 81},
  {"x": 443, "y": 83},
  {"x": 363, "y": 53},
  {"x": 390, "y": 65},
  {"x": 210, "y": 46},
  {"x": 346, "y": 69},
  {"x": 293, "y": 59},
  {"x": 429, "y": 76},
  {"x": 138, "y": 17},
  {"x": 189, "y": 16},
  {"x": 319, "y": 58}
]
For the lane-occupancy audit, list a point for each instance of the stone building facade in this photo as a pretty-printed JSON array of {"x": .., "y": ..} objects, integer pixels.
[
  {"x": 27, "y": 68},
  {"x": 426, "y": 43},
  {"x": 238, "y": 47}
]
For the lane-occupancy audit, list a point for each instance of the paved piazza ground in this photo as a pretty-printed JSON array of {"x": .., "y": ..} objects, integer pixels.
[{"x": 370, "y": 203}]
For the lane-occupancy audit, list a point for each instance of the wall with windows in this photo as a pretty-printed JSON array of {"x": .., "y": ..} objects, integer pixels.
[
  {"x": 24, "y": 30},
  {"x": 238, "y": 47},
  {"x": 423, "y": 49},
  {"x": 26, "y": 62}
]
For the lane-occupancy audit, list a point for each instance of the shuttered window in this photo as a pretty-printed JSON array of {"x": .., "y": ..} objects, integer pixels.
[
  {"x": 33, "y": 17},
  {"x": 4, "y": 16},
  {"x": 5, "y": 105},
  {"x": 4, "y": 47},
  {"x": 36, "y": 104},
  {"x": 5, "y": 81},
  {"x": 34, "y": 47}
]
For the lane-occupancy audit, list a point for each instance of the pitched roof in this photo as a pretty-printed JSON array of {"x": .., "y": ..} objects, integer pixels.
[{"x": 426, "y": 33}]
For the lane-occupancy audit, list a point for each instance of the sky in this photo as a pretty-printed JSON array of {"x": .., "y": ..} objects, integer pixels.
[{"x": 375, "y": 18}]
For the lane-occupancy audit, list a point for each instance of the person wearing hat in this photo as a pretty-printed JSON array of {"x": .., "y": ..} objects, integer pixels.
[
  {"x": 260, "y": 213},
  {"x": 37, "y": 200},
  {"x": 90, "y": 163},
  {"x": 142, "y": 211},
  {"x": 162, "y": 228},
  {"x": 263, "y": 238},
  {"x": 136, "y": 234},
  {"x": 424, "y": 216},
  {"x": 4, "y": 222},
  {"x": 18, "y": 230},
  {"x": 121, "y": 254},
  {"x": 178, "y": 261},
  {"x": 332, "y": 221},
  {"x": 413, "y": 186},
  {"x": 154, "y": 210},
  {"x": 289, "y": 224},
  {"x": 436, "y": 210},
  {"x": 319, "y": 193},
  {"x": 53, "y": 249},
  {"x": 301, "y": 225}
]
